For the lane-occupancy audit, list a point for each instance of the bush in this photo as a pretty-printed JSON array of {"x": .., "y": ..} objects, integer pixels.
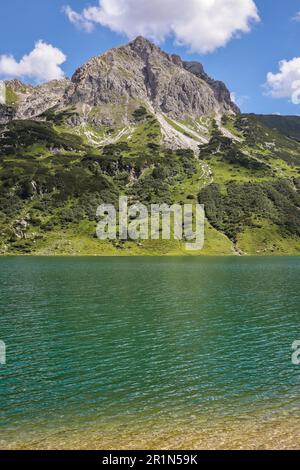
[
  {"x": 235, "y": 210},
  {"x": 140, "y": 113}
]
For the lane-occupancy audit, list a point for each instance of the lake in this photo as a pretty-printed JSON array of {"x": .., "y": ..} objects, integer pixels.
[{"x": 149, "y": 353}]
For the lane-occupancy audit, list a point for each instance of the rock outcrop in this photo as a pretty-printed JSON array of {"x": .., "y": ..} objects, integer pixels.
[
  {"x": 222, "y": 94},
  {"x": 41, "y": 98}
]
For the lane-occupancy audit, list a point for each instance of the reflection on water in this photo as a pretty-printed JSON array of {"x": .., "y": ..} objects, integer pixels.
[{"x": 149, "y": 353}]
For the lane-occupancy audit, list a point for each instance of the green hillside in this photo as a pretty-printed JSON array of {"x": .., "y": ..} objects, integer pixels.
[
  {"x": 53, "y": 177},
  {"x": 287, "y": 125}
]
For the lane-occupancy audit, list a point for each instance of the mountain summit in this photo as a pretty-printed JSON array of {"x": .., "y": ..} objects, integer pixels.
[
  {"x": 108, "y": 89},
  {"x": 139, "y": 122}
]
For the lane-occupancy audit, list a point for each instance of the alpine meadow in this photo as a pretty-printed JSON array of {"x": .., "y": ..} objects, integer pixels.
[{"x": 141, "y": 123}]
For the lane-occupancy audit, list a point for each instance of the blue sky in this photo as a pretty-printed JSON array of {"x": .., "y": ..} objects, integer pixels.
[{"x": 243, "y": 63}]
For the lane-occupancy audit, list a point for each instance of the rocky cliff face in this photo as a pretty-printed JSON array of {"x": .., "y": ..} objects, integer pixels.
[
  {"x": 108, "y": 89},
  {"x": 221, "y": 92},
  {"x": 41, "y": 98},
  {"x": 29, "y": 102},
  {"x": 141, "y": 73}
]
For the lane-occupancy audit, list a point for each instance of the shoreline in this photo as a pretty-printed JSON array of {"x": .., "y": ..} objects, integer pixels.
[
  {"x": 273, "y": 434},
  {"x": 150, "y": 255}
]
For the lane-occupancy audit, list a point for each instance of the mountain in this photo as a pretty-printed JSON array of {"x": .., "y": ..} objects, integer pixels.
[
  {"x": 108, "y": 88},
  {"x": 140, "y": 122}
]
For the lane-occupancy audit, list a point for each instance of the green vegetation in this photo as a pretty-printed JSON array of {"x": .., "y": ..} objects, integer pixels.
[
  {"x": 58, "y": 117},
  {"x": 286, "y": 125},
  {"x": 247, "y": 205},
  {"x": 140, "y": 113},
  {"x": 11, "y": 97},
  {"x": 19, "y": 135},
  {"x": 53, "y": 177},
  {"x": 179, "y": 128}
]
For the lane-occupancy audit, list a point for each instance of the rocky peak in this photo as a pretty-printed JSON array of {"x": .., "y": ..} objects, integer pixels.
[
  {"x": 176, "y": 59},
  {"x": 140, "y": 72},
  {"x": 141, "y": 45},
  {"x": 195, "y": 67},
  {"x": 110, "y": 87}
]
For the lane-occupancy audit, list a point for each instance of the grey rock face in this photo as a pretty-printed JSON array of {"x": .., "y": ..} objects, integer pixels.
[
  {"x": 108, "y": 89},
  {"x": 141, "y": 72},
  {"x": 221, "y": 92},
  {"x": 31, "y": 101},
  {"x": 39, "y": 99}
]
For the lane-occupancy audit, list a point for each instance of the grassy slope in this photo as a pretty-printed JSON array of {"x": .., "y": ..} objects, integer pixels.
[
  {"x": 283, "y": 157},
  {"x": 286, "y": 125},
  {"x": 58, "y": 176}
]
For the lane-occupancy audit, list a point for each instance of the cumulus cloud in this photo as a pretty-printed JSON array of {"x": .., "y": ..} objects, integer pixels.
[
  {"x": 41, "y": 64},
  {"x": 285, "y": 83},
  {"x": 78, "y": 19},
  {"x": 202, "y": 25}
]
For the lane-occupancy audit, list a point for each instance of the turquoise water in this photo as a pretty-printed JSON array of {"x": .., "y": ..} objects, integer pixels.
[{"x": 123, "y": 351}]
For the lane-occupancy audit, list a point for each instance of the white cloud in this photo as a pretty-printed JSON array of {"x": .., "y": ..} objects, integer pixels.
[
  {"x": 78, "y": 20},
  {"x": 41, "y": 64},
  {"x": 285, "y": 83},
  {"x": 239, "y": 100},
  {"x": 202, "y": 25},
  {"x": 296, "y": 17}
]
